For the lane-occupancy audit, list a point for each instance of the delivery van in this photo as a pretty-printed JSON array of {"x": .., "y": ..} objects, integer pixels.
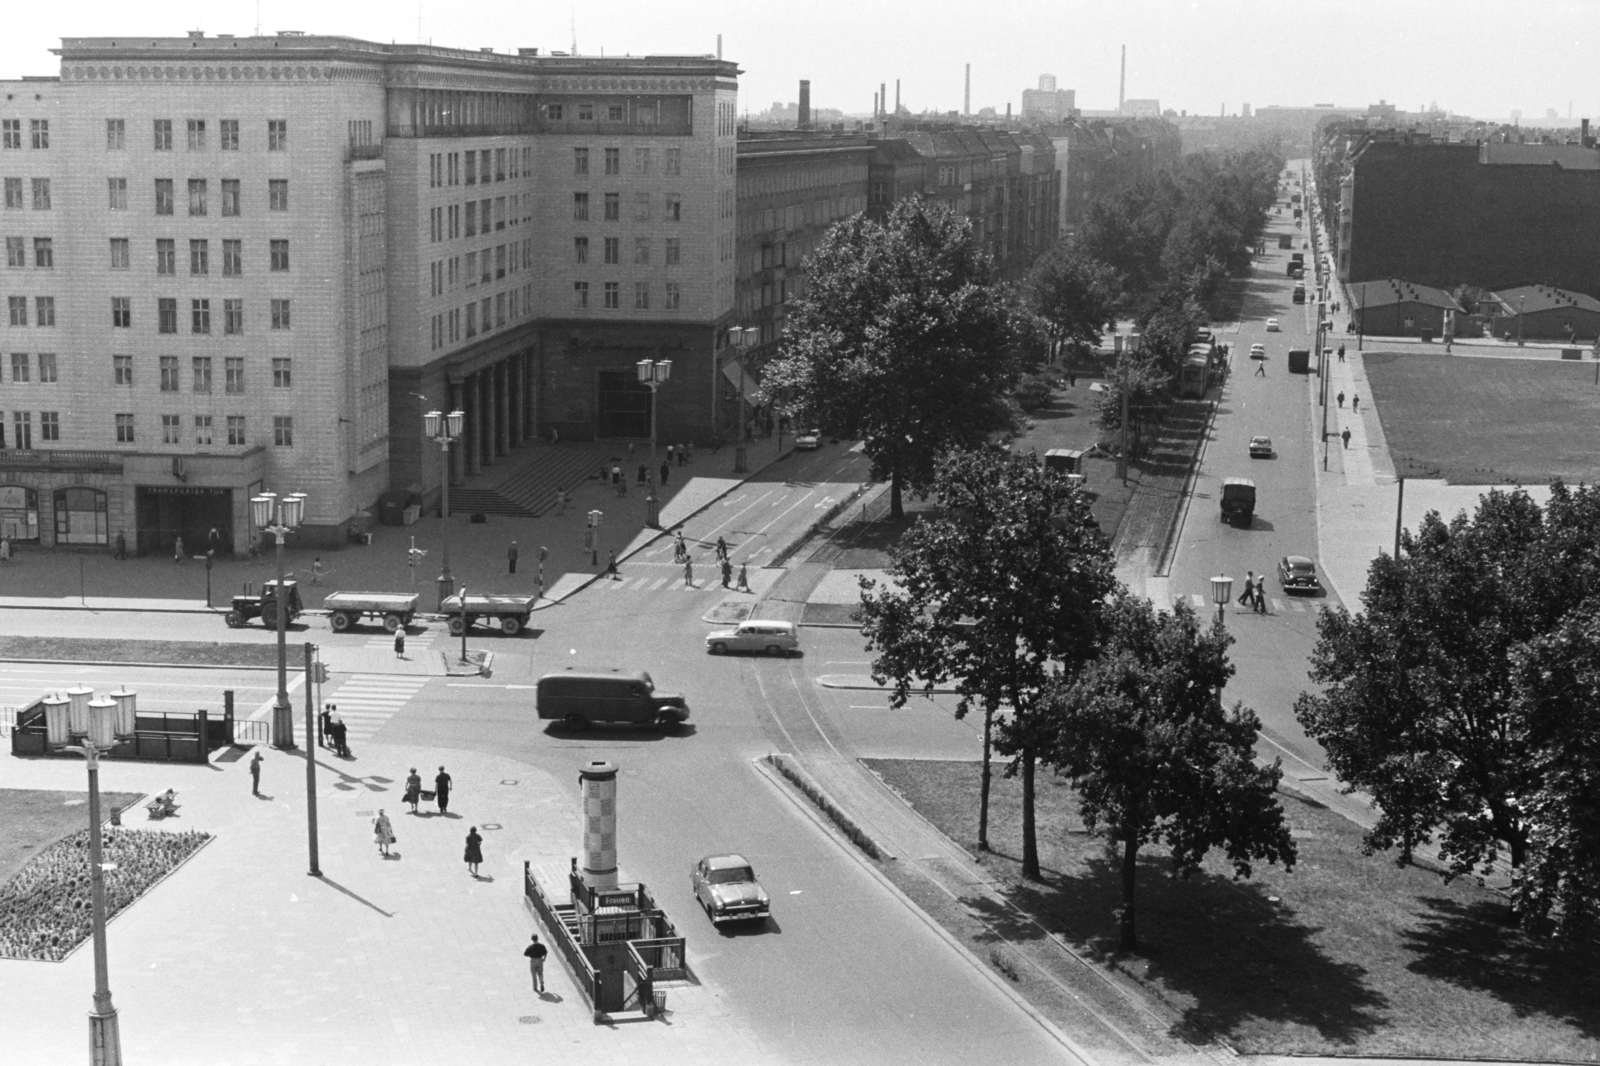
[{"x": 582, "y": 697}]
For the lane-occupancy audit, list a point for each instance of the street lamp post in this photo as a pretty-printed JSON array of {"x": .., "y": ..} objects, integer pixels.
[
  {"x": 1221, "y": 593},
  {"x": 743, "y": 338},
  {"x": 653, "y": 373},
  {"x": 105, "y": 1037},
  {"x": 444, "y": 430},
  {"x": 280, "y": 517}
]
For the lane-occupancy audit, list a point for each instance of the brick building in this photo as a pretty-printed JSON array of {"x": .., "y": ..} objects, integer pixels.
[
  {"x": 1541, "y": 312},
  {"x": 1394, "y": 308},
  {"x": 247, "y": 263}
]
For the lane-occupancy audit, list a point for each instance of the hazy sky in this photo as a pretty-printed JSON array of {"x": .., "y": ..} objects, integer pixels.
[{"x": 1469, "y": 56}]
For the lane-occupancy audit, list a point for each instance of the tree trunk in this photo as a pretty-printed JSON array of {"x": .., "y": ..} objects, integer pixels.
[
  {"x": 1030, "y": 837},
  {"x": 896, "y": 509},
  {"x": 988, "y": 775},
  {"x": 1130, "y": 856}
]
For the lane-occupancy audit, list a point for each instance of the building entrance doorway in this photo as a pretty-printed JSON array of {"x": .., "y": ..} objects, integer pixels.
[
  {"x": 624, "y": 405},
  {"x": 167, "y": 512}
]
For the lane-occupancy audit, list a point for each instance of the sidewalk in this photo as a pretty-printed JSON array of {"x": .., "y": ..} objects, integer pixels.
[
  {"x": 478, "y": 552},
  {"x": 241, "y": 958}
]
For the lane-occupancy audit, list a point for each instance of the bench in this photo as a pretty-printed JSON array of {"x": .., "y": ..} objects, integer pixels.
[{"x": 163, "y": 805}]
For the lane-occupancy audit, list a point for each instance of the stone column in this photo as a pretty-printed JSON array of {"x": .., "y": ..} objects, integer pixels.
[{"x": 502, "y": 382}]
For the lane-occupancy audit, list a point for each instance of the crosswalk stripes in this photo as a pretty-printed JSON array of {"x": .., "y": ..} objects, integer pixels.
[
  {"x": 1202, "y": 604},
  {"x": 367, "y": 701},
  {"x": 421, "y": 641},
  {"x": 671, "y": 584}
]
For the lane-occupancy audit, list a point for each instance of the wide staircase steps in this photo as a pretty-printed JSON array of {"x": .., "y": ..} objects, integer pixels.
[{"x": 528, "y": 489}]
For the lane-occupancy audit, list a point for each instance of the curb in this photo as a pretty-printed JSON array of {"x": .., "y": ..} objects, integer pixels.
[
  {"x": 789, "y": 767},
  {"x": 159, "y": 666}
]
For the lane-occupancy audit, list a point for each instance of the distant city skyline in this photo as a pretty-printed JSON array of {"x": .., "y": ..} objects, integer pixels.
[{"x": 1202, "y": 57}]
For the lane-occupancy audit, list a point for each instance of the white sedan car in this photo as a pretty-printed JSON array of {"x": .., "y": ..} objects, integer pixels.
[
  {"x": 1272, "y": 325},
  {"x": 1258, "y": 351}
]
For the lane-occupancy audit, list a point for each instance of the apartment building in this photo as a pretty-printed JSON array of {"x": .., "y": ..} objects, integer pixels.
[{"x": 237, "y": 264}]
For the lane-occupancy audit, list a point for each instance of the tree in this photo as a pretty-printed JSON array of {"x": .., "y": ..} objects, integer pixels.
[
  {"x": 1073, "y": 293},
  {"x": 1001, "y": 592},
  {"x": 900, "y": 341},
  {"x": 1425, "y": 705},
  {"x": 1155, "y": 758}
]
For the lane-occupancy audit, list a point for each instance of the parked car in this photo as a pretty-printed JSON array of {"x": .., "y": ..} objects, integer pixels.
[
  {"x": 1298, "y": 574},
  {"x": 774, "y": 638},
  {"x": 1261, "y": 447},
  {"x": 727, "y": 890},
  {"x": 1258, "y": 351},
  {"x": 808, "y": 440},
  {"x": 1272, "y": 325}
]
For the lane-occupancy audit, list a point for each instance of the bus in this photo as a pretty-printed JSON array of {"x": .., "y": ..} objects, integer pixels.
[{"x": 1196, "y": 371}]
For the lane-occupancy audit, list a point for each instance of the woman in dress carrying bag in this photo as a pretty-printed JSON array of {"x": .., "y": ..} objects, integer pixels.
[{"x": 382, "y": 833}]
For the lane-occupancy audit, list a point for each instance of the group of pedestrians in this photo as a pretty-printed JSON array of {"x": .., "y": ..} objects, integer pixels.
[
  {"x": 335, "y": 734},
  {"x": 1254, "y": 594}
]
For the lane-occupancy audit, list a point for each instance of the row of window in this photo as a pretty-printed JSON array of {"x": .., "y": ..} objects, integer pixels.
[
  {"x": 14, "y": 190},
  {"x": 485, "y": 316},
  {"x": 445, "y": 221},
  {"x": 166, "y": 195},
  {"x": 11, "y": 132},
  {"x": 671, "y": 207},
  {"x": 22, "y": 428},
  {"x": 484, "y": 267},
  {"x": 166, "y": 255},
  {"x": 484, "y": 166},
  {"x": 671, "y": 161},
  {"x": 643, "y": 250},
  {"x": 21, "y": 367},
  {"x": 236, "y": 425},
  {"x": 227, "y": 134},
  {"x": 166, "y": 313},
  {"x": 611, "y": 295},
  {"x": 233, "y": 369}
]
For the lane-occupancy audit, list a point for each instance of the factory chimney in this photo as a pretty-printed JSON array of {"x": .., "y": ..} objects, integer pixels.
[
  {"x": 897, "y": 96},
  {"x": 1583, "y": 138},
  {"x": 966, "y": 99},
  {"x": 1122, "y": 85},
  {"x": 883, "y": 98},
  {"x": 805, "y": 104}
]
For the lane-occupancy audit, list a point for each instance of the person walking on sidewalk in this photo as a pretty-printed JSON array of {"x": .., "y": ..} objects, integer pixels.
[
  {"x": 1261, "y": 367},
  {"x": 680, "y": 554},
  {"x": 561, "y": 502},
  {"x": 214, "y": 540},
  {"x": 1355, "y": 403},
  {"x": 177, "y": 550},
  {"x": 666, "y": 471},
  {"x": 441, "y": 790},
  {"x": 255, "y": 775},
  {"x": 400, "y": 643},
  {"x": 474, "y": 853},
  {"x": 671, "y": 449},
  {"x": 722, "y": 548},
  {"x": 122, "y": 545},
  {"x": 1346, "y": 436},
  {"x": 325, "y": 726},
  {"x": 536, "y": 953},
  {"x": 744, "y": 578},
  {"x": 317, "y": 571},
  {"x": 413, "y": 789},
  {"x": 1341, "y": 353},
  {"x": 1340, "y": 397},
  {"x": 1249, "y": 586},
  {"x": 1261, "y": 593},
  {"x": 341, "y": 733},
  {"x": 382, "y": 833},
  {"x": 688, "y": 573},
  {"x": 511, "y": 557},
  {"x": 611, "y": 567}
]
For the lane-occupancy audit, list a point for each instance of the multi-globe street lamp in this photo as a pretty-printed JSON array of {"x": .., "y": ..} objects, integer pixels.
[
  {"x": 444, "y": 430},
  {"x": 743, "y": 338},
  {"x": 653, "y": 373},
  {"x": 280, "y": 517},
  {"x": 105, "y": 1038}
]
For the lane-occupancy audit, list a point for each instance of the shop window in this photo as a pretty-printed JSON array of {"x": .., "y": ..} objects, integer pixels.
[
  {"x": 81, "y": 516},
  {"x": 19, "y": 512}
]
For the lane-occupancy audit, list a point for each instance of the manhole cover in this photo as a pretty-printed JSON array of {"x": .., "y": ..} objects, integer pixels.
[
  {"x": 528, "y": 1019},
  {"x": 491, "y": 825},
  {"x": 509, "y": 781}
]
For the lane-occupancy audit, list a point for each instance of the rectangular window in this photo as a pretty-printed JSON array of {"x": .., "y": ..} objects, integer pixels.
[
  {"x": 613, "y": 296},
  {"x": 233, "y": 374},
  {"x": 166, "y": 255},
  {"x": 280, "y": 373},
  {"x": 163, "y": 131},
  {"x": 580, "y": 207},
  {"x": 124, "y": 429},
  {"x": 472, "y": 218},
  {"x": 232, "y": 258},
  {"x": 166, "y": 315},
  {"x": 169, "y": 373},
  {"x": 580, "y": 294},
  {"x": 233, "y": 317},
  {"x": 613, "y": 161},
  {"x": 13, "y": 192},
  {"x": 116, "y": 135},
  {"x": 280, "y": 255},
  {"x": 44, "y": 252},
  {"x": 499, "y": 261},
  {"x": 236, "y": 430},
  {"x": 197, "y": 196},
  {"x": 169, "y": 429},
  {"x": 585, "y": 112},
  {"x": 122, "y": 312},
  {"x": 280, "y": 314},
  {"x": 50, "y": 425},
  {"x": 472, "y": 318},
  {"x": 500, "y": 164},
  {"x": 614, "y": 112},
  {"x": 22, "y": 424},
  {"x": 16, "y": 251},
  {"x": 121, "y": 255},
  {"x": 472, "y": 269},
  {"x": 472, "y": 168},
  {"x": 40, "y": 128},
  {"x": 122, "y": 370},
  {"x": 613, "y": 207},
  {"x": 202, "y": 423},
  {"x": 555, "y": 112},
  {"x": 641, "y": 207},
  {"x": 674, "y": 251},
  {"x": 499, "y": 212},
  {"x": 641, "y": 160},
  {"x": 277, "y": 135},
  {"x": 278, "y": 194},
  {"x": 164, "y": 196},
  {"x": 117, "y": 193},
  {"x": 199, "y": 316},
  {"x": 19, "y": 309},
  {"x": 201, "y": 364},
  {"x": 41, "y": 194},
  {"x": 47, "y": 368},
  {"x": 580, "y": 249},
  {"x": 230, "y": 197},
  {"x": 199, "y": 257},
  {"x": 580, "y": 161},
  {"x": 673, "y": 166},
  {"x": 197, "y": 135},
  {"x": 44, "y": 310},
  {"x": 229, "y": 138},
  {"x": 488, "y": 267},
  {"x": 12, "y": 128},
  {"x": 283, "y": 431},
  {"x": 641, "y": 251},
  {"x": 19, "y": 368},
  {"x": 673, "y": 210},
  {"x": 499, "y": 309},
  {"x": 641, "y": 296},
  {"x": 613, "y": 246}
]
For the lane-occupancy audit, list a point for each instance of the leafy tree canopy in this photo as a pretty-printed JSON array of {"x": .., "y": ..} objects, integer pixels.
[{"x": 1074, "y": 294}]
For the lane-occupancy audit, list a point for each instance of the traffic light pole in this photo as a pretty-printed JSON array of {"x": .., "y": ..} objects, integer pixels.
[{"x": 311, "y": 761}]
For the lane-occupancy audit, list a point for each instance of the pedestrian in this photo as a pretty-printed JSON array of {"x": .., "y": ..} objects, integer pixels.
[
  {"x": 536, "y": 953},
  {"x": 683, "y": 454},
  {"x": 1341, "y": 398},
  {"x": 630, "y": 451},
  {"x": 688, "y": 572},
  {"x": 722, "y": 548},
  {"x": 561, "y": 501},
  {"x": 1249, "y": 586},
  {"x": 1346, "y": 436},
  {"x": 611, "y": 567},
  {"x": 341, "y": 734},
  {"x": 555, "y": 435},
  {"x": 644, "y": 472},
  {"x": 727, "y": 572},
  {"x": 382, "y": 833},
  {"x": 679, "y": 552},
  {"x": 474, "y": 853},
  {"x": 511, "y": 557},
  {"x": 1341, "y": 353},
  {"x": 177, "y": 550},
  {"x": 413, "y": 789},
  {"x": 214, "y": 540},
  {"x": 255, "y": 775},
  {"x": 325, "y": 726},
  {"x": 622, "y": 482},
  {"x": 1072, "y": 379},
  {"x": 1261, "y": 367},
  {"x": 400, "y": 643},
  {"x": 316, "y": 570},
  {"x": 744, "y": 578},
  {"x": 5, "y": 549},
  {"x": 1355, "y": 403},
  {"x": 670, "y": 449},
  {"x": 666, "y": 469},
  {"x": 441, "y": 790},
  {"x": 1261, "y": 593},
  {"x": 122, "y": 545}
]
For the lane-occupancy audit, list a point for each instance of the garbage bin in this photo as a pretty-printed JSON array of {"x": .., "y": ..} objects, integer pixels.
[{"x": 660, "y": 997}]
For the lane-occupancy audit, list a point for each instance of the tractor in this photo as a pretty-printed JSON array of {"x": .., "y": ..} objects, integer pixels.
[{"x": 249, "y": 605}]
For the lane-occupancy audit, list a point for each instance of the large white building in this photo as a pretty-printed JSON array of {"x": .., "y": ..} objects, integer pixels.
[{"x": 237, "y": 264}]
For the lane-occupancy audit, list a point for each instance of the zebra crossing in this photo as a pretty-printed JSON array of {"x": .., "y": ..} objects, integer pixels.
[
  {"x": 367, "y": 701},
  {"x": 707, "y": 582},
  {"x": 418, "y": 641},
  {"x": 1276, "y": 605}
]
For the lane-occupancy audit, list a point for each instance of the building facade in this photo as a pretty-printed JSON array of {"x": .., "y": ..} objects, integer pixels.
[{"x": 237, "y": 264}]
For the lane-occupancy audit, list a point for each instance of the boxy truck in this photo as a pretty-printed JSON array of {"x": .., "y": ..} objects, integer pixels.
[
  {"x": 1299, "y": 360},
  {"x": 1299, "y": 293},
  {"x": 1238, "y": 500}
]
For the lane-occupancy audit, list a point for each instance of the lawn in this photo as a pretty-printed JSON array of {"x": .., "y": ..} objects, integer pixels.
[
  {"x": 32, "y": 819},
  {"x": 1487, "y": 421},
  {"x": 1347, "y": 954},
  {"x": 85, "y": 649}
]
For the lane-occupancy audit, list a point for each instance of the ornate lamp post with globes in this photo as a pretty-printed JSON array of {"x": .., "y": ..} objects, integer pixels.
[
  {"x": 653, "y": 373},
  {"x": 105, "y": 1036},
  {"x": 444, "y": 430},
  {"x": 744, "y": 338},
  {"x": 280, "y": 517}
]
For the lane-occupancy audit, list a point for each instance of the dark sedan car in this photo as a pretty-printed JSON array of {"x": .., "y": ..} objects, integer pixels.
[{"x": 1298, "y": 574}]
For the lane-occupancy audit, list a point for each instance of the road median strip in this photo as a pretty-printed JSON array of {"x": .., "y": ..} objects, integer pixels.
[{"x": 791, "y": 769}]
